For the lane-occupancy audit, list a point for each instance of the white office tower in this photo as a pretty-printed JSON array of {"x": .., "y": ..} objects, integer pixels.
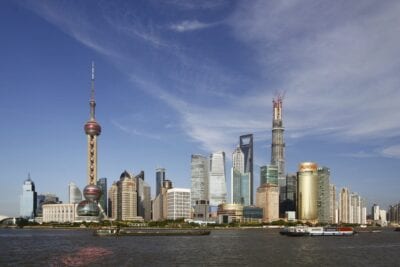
[
  {"x": 199, "y": 179},
  {"x": 217, "y": 180},
  {"x": 178, "y": 203},
  {"x": 382, "y": 216},
  {"x": 375, "y": 212},
  {"x": 75, "y": 195}
]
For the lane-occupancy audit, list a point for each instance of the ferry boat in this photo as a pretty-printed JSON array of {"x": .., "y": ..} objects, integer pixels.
[{"x": 317, "y": 231}]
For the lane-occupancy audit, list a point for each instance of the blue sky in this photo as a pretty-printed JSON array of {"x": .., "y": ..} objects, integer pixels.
[{"x": 176, "y": 78}]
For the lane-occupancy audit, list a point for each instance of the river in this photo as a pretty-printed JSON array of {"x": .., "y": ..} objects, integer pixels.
[{"x": 237, "y": 247}]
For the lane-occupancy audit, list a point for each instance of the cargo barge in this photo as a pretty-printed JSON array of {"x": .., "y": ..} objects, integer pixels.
[
  {"x": 317, "y": 231},
  {"x": 150, "y": 232}
]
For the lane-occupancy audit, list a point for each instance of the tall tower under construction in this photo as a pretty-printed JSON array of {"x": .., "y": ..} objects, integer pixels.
[{"x": 278, "y": 145}]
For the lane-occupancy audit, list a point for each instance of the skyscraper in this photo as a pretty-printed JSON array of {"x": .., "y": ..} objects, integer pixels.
[
  {"x": 217, "y": 181},
  {"x": 28, "y": 200},
  {"x": 269, "y": 174},
  {"x": 113, "y": 201},
  {"x": 267, "y": 198},
  {"x": 323, "y": 195},
  {"x": 127, "y": 198},
  {"x": 89, "y": 207},
  {"x": 307, "y": 191},
  {"x": 344, "y": 205},
  {"x": 278, "y": 143},
  {"x": 75, "y": 195},
  {"x": 246, "y": 145},
  {"x": 240, "y": 187},
  {"x": 240, "y": 180},
  {"x": 160, "y": 178},
  {"x": 278, "y": 149},
  {"x": 102, "y": 184},
  {"x": 333, "y": 216},
  {"x": 199, "y": 178},
  {"x": 147, "y": 202}
]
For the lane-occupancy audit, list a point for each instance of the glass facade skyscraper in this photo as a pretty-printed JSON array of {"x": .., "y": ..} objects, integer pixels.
[
  {"x": 217, "y": 180},
  {"x": 102, "y": 184},
  {"x": 160, "y": 178},
  {"x": 199, "y": 178},
  {"x": 240, "y": 187},
  {"x": 246, "y": 145},
  {"x": 28, "y": 199},
  {"x": 269, "y": 174},
  {"x": 240, "y": 179}
]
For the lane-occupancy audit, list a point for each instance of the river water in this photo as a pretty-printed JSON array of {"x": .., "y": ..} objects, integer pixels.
[{"x": 247, "y": 247}]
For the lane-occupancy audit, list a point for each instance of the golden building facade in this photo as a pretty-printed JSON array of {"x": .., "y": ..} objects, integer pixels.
[{"x": 307, "y": 191}]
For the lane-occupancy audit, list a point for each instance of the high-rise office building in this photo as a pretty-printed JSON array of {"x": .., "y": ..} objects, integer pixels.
[
  {"x": 355, "y": 208},
  {"x": 269, "y": 174},
  {"x": 102, "y": 184},
  {"x": 238, "y": 160},
  {"x": 324, "y": 195},
  {"x": 267, "y": 198},
  {"x": 217, "y": 179},
  {"x": 240, "y": 187},
  {"x": 240, "y": 179},
  {"x": 160, "y": 178},
  {"x": 127, "y": 198},
  {"x": 199, "y": 178},
  {"x": 333, "y": 214},
  {"x": 344, "y": 205},
  {"x": 160, "y": 203},
  {"x": 88, "y": 210},
  {"x": 178, "y": 203},
  {"x": 278, "y": 143},
  {"x": 246, "y": 146},
  {"x": 28, "y": 199},
  {"x": 147, "y": 202},
  {"x": 139, "y": 179},
  {"x": 375, "y": 212},
  {"x": 74, "y": 194},
  {"x": 290, "y": 193},
  {"x": 307, "y": 191},
  {"x": 113, "y": 201}
]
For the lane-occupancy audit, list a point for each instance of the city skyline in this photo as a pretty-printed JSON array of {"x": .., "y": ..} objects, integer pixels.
[{"x": 176, "y": 78}]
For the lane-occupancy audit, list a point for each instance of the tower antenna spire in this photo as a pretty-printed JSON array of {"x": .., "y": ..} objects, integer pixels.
[
  {"x": 92, "y": 83},
  {"x": 92, "y": 101}
]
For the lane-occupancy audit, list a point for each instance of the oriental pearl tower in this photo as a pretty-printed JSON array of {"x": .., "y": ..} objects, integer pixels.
[{"x": 92, "y": 193}]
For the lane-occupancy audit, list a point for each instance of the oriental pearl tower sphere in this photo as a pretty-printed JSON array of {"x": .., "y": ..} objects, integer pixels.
[{"x": 92, "y": 192}]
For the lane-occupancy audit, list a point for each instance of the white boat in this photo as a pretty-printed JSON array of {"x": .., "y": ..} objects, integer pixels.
[{"x": 317, "y": 231}]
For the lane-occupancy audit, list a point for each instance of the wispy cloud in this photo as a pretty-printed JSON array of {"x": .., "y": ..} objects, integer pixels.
[
  {"x": 338, "y": 63},
  {"x": 338, "y": 66},
  {"x": 191, "y": 25},
  {"x": 392, "y": 151},
  {"x": 196, "y": 5},
  {"x": 135, "y": 131}
]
